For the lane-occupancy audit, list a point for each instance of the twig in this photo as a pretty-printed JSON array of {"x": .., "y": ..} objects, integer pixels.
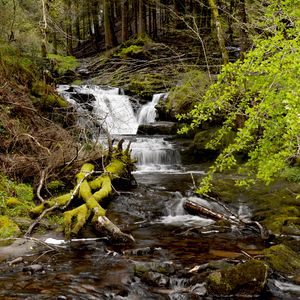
[
  {"x": 193, "y": 180},
  {"x": 37, "y": 142},
  {"x": 246, "y": 254},
  {"x": 31, "y": 239},
  {"x": 28, "y": 232},
  {"x": 38, "y": 191}
]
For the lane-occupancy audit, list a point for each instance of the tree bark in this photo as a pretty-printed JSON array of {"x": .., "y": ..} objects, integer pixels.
[
  {"x": 110, "y": 39},
  {"x": 220, "y": 32},
  {"x": 141, "y": 18},
  {"x": 124, "y": 20}
]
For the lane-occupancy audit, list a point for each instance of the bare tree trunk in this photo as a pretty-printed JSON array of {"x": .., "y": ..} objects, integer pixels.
[
  {"x": 95, "y": 18},
  {"x": 154, "y": 21},
  {"x": 77, "y": 24},
  {"x": 141, "y": 18},
  {"x": 107, "y": 25},
  {"x": 220, "y": 32},
  {"x": 44, "y": 29},
  {"x": 69, "y": 27},
  {"x": 243, "y": 36},
  {"x": 125, "y": 34}
]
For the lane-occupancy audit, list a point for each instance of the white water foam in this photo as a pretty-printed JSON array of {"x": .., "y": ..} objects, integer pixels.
[
  {"x": 177, "y": 215},
  {"x": 147, "y": 114},
  {"x": 110, "y": 109},
  {"x": 155, "y": 155}
]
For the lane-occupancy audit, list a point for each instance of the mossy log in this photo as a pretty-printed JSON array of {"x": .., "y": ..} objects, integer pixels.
[{"x": 92, "y": 193}]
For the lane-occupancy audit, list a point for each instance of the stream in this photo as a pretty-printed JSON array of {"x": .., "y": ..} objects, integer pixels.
[{"x": 167, "y": 237}]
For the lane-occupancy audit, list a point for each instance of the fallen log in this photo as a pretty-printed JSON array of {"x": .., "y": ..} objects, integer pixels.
[
  {"x": 198, "y": 209},
  {"x": 91, "y": 193}
]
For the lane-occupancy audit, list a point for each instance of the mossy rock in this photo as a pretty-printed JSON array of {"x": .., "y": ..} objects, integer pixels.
[
  {"x": 8, "y": 228},
  {"x": 244, "y": 279},
  {"x": 283, "y": 259},
  {"x": 146, "y": 85},
  {"x": 44, "y": 96},
  {"x": 189, "y": 92}
]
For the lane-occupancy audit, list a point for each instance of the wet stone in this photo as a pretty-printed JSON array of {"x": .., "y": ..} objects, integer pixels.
[
  {"x": 155, "y": 279},
  {"x": 247, "y": 279},
  {"x": 33, "y": 268}
]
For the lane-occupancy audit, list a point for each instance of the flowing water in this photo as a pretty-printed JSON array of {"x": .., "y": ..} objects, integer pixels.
[{"x": 166, "y": 236}]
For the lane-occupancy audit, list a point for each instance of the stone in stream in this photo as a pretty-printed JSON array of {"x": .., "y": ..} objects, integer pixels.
[{"x": 245, "y": 279}]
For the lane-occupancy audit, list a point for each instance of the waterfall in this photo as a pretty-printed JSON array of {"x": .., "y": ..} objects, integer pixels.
[
  {"x": 147, "y": 113},
  {"x": 110, "y": 109},
  {"x": 155, "y": 154}
]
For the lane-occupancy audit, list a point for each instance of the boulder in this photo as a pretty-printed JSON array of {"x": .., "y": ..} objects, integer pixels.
[
  {"x": 245, "y": 279},
  {"x": 159, "y": 128}
]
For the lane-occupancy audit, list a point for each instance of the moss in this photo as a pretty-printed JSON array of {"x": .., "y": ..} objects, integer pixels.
[
  {"x": 71, "y": 227},
  {"x": 131, "y": 51},
  {"x": 12, "y": 202},
  {"x": 45, "y": 97},
  {"x": 183, "y": 97},
  {"x": 62, "y": 64},
  {"x": 246, "y": 279},
  {"x": 8, "y": 228},
  {"x": 145, "y": 85},
  {"x": 55, "y": 186},
  {"x": 24, "y": 192},
  {"x": 282, "y": 259}
]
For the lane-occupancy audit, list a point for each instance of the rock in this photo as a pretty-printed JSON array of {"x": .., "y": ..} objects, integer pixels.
[
  {"x": 166, "y": 268},
  {"x": 33, "y": 268},
  {"x": 155, "y": 279},
  {"x": 247, "y": 279},
  {"x": 160, "y": 128},
  {"x": 283, "y": 259}
]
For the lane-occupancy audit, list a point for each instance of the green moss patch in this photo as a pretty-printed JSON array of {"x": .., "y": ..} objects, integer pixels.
[
  {"x": 244, "y": 279},
  {"x": 283, "y": 259},
  {"x": 8, "y": 228}
]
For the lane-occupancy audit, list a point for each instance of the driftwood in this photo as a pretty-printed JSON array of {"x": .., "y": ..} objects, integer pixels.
[
  {"x": 197, "y": 209},
  {"x": 92, "y": 193}
]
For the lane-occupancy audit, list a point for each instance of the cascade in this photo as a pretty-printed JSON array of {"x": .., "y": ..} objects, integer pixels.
[
  {"x": 110, "y": 109},
  {"x": 147, "y": 114},
  {"x": 155, "y": 154}
]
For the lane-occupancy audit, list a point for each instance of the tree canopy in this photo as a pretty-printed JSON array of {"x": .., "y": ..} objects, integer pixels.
[{"x": 259, "y": 99}]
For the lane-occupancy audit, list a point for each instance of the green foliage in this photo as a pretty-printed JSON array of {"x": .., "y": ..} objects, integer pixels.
[
  {"x": 259, "y": 98},
  {"x": 62, "y": 64},
  {"x": 292, "y": 174},
  {"x": 19, "y": 25}
]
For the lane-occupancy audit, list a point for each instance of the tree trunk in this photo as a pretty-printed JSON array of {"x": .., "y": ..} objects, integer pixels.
[
  {"x": 243, "y": 35},
  {"x": 220, "y": 32},
  {"x": 69, "y": 27},
  {"x": 44, "y": 29},
  {"x": 77, "y": 24},
  {"x": 125, "y": 34},
  {"x": 110, "y": 40},
  {"x": 95, "y": 18},
  {"x": 141, "y": 18}
]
